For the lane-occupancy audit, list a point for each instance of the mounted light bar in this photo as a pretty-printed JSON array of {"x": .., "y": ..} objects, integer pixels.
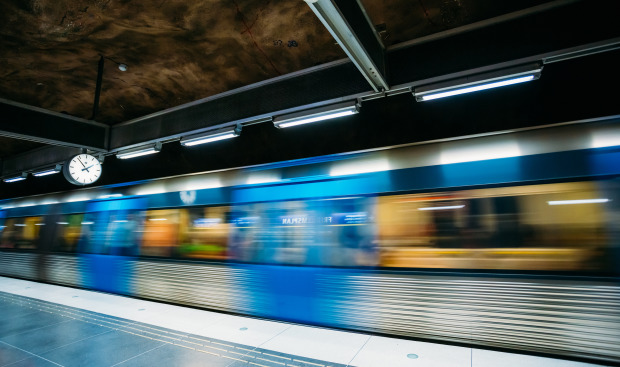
[
  {"x": 48, "y": 171},
  {"x": 16, "y": 178},
  {"x": 581, "y": 201},
  {"x": 318, "y": 114},
  {"x": 208, "y": 137},
  {"x": 132, "y": 153},
  {"x": 478, "y": 82}
]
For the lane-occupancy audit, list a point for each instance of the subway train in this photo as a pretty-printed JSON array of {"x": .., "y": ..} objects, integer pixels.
[{"x": 507, "y": 241}]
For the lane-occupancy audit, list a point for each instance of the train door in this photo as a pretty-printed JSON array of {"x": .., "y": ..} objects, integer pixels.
[
  {"x": 109, "y": 242},
  {"x": 290, "y": 246}
]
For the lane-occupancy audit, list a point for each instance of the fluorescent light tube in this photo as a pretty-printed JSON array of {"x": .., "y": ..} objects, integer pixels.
[
  {"x": 477, "y": 88},
  {"x": 16, "y": 178},
  {"x": 139, "y": 152},
  {"x": 211, "y": 136},
  {"x": 48, "y": 171},
  {"x": 45, "y": 173},
  {"x": 314, "y": 115},
  {"x": 478, "y": 82},
  {"x": 582, "y": 201},
  {"x": 443, "y": 207},
  {"x": 136, "y": 154}
]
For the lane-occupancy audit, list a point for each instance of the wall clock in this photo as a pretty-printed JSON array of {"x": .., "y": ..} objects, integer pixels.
[{"x": 82, "y": 169}]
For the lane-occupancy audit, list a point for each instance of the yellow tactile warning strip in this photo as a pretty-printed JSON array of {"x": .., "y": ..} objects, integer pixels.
[{"x": 231, "y": 351}]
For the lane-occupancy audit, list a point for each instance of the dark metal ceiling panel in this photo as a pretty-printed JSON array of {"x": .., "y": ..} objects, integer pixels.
[
  {"x": 10, "y": 146},
  {"x": 39, "y": 125},
  {"x": 44, "y": 156}
]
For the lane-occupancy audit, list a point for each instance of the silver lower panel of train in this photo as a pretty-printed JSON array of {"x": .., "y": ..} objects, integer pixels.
[{"x": 559, "y": 317}]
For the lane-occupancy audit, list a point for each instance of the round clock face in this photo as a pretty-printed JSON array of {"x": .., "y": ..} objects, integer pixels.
[{"x": 82, "y": 169}]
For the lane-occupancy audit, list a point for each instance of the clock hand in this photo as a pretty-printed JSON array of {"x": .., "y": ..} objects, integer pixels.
[
  {"x": 86, "y": 168},
  {"x": 79, "y": 160}
]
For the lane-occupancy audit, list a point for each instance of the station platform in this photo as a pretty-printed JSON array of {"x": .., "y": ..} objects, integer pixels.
[{"x": 49, "y": 325}]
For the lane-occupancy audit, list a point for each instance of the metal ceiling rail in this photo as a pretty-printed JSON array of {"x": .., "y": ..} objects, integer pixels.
[{"x": 348, "y": 23}]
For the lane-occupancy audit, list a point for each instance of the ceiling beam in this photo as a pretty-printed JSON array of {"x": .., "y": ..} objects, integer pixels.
[
  {"x": 21, "y": 121},
  {"x": 350, "y": 26}
]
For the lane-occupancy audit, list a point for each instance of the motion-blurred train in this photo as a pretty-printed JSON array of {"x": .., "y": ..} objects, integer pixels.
[{"x": 507, "y": 241}]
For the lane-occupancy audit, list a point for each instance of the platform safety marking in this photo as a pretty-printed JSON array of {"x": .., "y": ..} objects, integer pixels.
[
  {"x": 316, "y": 364},
  {"x": 206, "y": 351},
  {"x": 269, "y": 360},
  {"x": 118, "y": 324},
  {"x": 273, "y": 355}
]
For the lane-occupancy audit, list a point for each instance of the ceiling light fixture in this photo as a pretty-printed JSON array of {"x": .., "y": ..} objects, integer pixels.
[
  {"x": 316, "y": 114},
  {"x": 138, "y": 152},
  {"x": 16, "y": 178},
  {"x": 48, "y": 171},
  {"x": 208, "y": 137},
  {"x": 478, "y": 82}
]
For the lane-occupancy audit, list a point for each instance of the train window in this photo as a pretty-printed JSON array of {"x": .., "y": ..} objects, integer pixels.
[
  {"x": 537, "y": 227},
  {"x": 21, "y": 233},
  {"x": 336, "y": 232},
  {"x": 115, "y": 232},
  {"x": 161, "y": 233},
  {"x": 203, "y": 232},
  {"x": 68, "y": 232}
]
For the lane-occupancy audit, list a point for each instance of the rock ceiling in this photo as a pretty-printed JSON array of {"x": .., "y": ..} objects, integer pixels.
[{"x": 178, "y": 51}]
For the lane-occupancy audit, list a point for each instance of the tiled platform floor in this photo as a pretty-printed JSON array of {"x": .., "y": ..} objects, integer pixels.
[{"x": 47, "y": 325}]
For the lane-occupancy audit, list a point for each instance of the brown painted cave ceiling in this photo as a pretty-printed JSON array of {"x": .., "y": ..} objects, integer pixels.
[{"x": 178, "y": 51}]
